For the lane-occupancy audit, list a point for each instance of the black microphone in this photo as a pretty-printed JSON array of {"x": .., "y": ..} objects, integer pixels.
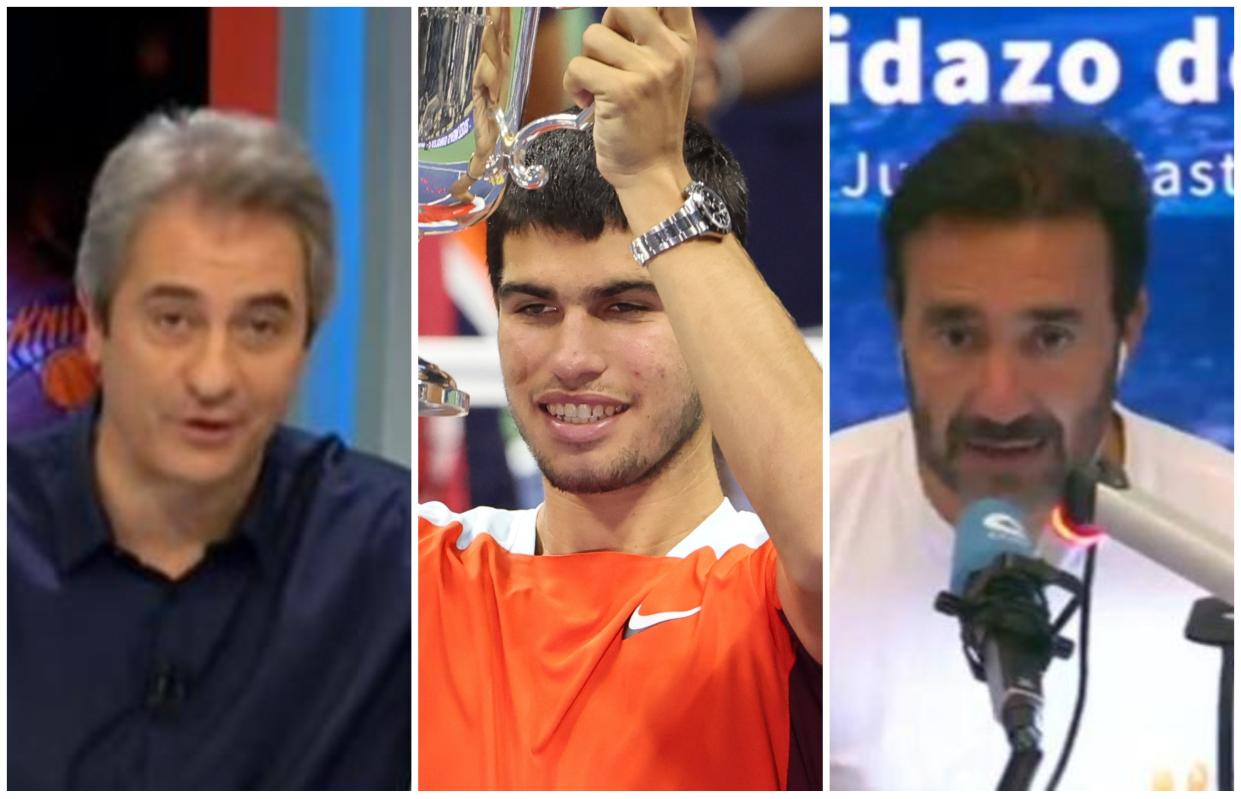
[
  {"x": 165, "y": 689},
  {"x": 997, "y": 593}
]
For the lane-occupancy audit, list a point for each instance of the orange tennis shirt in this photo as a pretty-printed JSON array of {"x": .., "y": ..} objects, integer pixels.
[{"x": 607, "y": 670}]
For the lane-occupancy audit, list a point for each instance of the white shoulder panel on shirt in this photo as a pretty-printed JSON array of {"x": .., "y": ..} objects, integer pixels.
[
  {"x": 513, "y": 530},
  {"x": 724, "y": 529}
]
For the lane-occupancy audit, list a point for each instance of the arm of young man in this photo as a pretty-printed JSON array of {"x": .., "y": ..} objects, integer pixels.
[{"x": 761, "y": 388}]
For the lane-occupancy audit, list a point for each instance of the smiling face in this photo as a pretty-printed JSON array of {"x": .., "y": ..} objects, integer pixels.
[
  {"x": 1010, "y": 346},
  {"x": 594, "y": 377},
  {"x": 204, "y": 341}
]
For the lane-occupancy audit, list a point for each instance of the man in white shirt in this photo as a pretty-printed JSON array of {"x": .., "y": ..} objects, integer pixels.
[{"x": 1015, "y": 254}]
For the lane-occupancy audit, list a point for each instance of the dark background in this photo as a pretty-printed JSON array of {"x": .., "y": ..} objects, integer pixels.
[{"x": 79, "y": 81}]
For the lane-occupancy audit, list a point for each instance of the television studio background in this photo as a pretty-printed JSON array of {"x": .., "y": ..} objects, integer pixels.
[
  {"x": 81, "y": 79},
  {"x": 1183, "y": 127},
  {"x": 773, "y": 123}
]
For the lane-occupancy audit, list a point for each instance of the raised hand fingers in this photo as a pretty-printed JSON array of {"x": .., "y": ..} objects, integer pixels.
[
  {"x": 680, "y": 20},
  {"x": 608, "y": 46},
  {"x": 486, "y": 79},
  {"x": 585, "y": 77},
  {"x": 648, "y": 27}
]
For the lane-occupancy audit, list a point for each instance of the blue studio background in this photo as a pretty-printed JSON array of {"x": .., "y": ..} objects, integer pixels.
[{"x": 1180, "y": 119}]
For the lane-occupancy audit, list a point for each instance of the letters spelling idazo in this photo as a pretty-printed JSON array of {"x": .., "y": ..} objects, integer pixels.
[{"x": 1087, "y": 71}]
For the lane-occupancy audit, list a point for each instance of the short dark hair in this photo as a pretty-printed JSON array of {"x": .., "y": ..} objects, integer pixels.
[
  {"x": 1021, "y": 168},
  {"x": 577, "y": 200}
]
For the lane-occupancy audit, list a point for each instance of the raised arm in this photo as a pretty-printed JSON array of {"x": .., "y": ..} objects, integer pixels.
[{"x": 761, "y": 388}]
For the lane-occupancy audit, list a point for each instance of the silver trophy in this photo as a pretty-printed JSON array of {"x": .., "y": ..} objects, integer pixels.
[
  {"x": 438, "y": 394},
  {"x": 473, "y": 73}
]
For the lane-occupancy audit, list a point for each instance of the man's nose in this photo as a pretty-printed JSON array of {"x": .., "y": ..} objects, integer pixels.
[
  {"x": 1001, "y": 394},
  {"x": 577, "y": 357},
  {"x": 211, "y": 371}
]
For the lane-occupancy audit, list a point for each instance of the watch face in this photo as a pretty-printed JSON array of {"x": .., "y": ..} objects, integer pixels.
[{"x": 715, "y": 210}]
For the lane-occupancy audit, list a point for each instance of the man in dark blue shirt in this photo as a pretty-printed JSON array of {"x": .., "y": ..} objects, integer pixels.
[{"x": 199, "y": 597}]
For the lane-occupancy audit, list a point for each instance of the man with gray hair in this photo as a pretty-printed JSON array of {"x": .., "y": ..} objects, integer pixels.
[{"x": 198, "y": 596}]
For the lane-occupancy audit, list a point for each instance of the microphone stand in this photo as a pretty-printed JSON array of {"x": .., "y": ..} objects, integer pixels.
[
  {"x": 1005, "y": 601},
  {"x": 1019, "y": 773},
  {"x": 1210, "y": 620},
  {"x": 1210, "y": 623}
]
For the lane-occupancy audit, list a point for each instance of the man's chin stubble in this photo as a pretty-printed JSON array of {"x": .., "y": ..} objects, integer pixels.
[
  {"x": 629, "y": 468},
  {"x": 1042, "y": 492}
]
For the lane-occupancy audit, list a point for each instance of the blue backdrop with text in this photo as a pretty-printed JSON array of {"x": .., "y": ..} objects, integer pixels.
[{"x": 899, "y": 79}]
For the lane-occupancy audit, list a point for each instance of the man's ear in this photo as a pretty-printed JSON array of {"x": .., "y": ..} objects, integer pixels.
[{"x": 96, "y": 329}]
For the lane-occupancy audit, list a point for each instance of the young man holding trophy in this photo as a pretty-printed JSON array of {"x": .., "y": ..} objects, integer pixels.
[{"x": 634, "y": 631}]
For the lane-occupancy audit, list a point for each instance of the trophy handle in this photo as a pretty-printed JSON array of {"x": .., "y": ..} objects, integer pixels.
[
  {"x": 438, "y": 394},
  {"x": 533, "y": 176}
]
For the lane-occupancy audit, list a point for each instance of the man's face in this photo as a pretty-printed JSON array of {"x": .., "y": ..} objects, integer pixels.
[
  {"x": 204, "y": 341},
  {"x": 594, "y": 377},
  {"x": 1010, "y": 347}
]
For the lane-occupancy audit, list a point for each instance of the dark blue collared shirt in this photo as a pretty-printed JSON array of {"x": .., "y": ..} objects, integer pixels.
[{"x": 282, "y": 660}]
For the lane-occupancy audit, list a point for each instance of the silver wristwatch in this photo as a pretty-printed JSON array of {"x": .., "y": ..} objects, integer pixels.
[{"x": 704, "y": 215}]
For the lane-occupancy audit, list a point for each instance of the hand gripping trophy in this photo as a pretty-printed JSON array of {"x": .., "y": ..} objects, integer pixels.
[{"x": 473, "y": 73}]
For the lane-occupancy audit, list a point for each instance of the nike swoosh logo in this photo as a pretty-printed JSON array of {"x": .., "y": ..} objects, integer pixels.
[{"x": 638, "y": 622}]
